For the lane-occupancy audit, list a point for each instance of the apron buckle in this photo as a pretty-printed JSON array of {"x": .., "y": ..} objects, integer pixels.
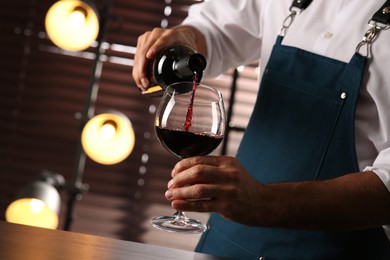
[{"x": 368, "y": 39}]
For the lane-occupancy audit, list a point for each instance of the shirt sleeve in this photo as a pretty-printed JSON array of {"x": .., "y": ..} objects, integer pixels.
[
  {"x": 229, "y": 44},
  {"x": 381, "y": 167}
]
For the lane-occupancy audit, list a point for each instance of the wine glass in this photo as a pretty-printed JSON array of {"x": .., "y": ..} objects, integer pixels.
[{"x": 190, "y": 121}]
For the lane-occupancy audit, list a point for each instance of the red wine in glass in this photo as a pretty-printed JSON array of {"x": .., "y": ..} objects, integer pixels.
[
  {"x": 190, "y": 121},
  {"x": 186, "y": 144}
]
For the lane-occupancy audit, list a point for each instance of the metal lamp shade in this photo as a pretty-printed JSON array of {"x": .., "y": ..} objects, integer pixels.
[{"x": 37, "y": 204}]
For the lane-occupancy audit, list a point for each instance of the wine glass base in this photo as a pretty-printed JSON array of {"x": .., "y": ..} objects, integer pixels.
[{"x": 182, "y": 225}]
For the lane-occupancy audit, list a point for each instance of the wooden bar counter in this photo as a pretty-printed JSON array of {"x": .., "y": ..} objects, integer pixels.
[{"x": 19, "y": 242}]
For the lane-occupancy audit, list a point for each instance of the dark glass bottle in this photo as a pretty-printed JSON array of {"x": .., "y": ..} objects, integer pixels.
[{"x": 174, "y": 64}]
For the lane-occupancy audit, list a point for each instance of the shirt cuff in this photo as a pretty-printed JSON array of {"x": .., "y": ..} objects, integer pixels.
[{"x": 385, "y": 178}]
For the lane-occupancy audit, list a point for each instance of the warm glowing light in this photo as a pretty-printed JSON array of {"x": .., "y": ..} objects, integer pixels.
[
  {"x": 77, "y": 19},
  {"x": 107, "y": 131},
  {"x": 31, "y": 212},
  {"x": 108, "y": 138},
  {"x": 72, "y": 24},
  {"x": 36, "y": 206}
]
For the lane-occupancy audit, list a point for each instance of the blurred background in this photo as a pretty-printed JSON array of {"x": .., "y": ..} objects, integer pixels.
[{"x": 44, "y": 92}]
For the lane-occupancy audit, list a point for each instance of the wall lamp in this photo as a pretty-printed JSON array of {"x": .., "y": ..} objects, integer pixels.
[
  {"x": 107, "y": 139},
  {"x": 38, "y": 203}
]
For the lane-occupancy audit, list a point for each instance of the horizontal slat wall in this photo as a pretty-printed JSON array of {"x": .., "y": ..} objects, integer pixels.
[{"x": 43, "y": 91}]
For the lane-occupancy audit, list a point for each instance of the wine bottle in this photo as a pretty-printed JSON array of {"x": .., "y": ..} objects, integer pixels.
[{"x": 174, "y": 64}]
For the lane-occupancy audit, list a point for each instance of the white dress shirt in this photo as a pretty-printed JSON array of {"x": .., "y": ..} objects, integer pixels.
[{"x": 239, "y": 32}]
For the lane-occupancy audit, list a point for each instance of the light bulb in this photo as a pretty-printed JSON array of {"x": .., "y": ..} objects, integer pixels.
[
  {"x": 77, "y": 18},
  {"x": 36, "y": 206},
  {"x": 107, "y": 131}
]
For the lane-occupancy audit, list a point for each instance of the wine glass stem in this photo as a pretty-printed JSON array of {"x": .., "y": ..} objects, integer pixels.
[{"x": 180, "y": 217}]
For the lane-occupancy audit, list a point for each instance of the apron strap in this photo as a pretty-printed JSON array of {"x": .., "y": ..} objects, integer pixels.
[
  {"x": 382, "y": 15},
  {"x": 301, "y": 4},
  {"x": 296, "y": 4},
  {"x": 379, "y": 21}
]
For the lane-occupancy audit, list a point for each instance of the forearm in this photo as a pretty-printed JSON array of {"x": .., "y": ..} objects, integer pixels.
[{"x": 353, "y": 201}]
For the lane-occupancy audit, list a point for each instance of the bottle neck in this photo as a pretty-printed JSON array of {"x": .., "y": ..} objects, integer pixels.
[{"x": 188, "y": 65}]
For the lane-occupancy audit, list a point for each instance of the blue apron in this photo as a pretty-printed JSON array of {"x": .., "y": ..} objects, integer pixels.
[{"x": 302, "y": 128}]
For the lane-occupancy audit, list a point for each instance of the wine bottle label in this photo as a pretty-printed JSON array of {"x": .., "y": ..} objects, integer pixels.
[{"x": 154, "y": 91}]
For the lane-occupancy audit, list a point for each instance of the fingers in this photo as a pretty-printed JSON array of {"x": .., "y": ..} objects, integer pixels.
[
  {"x": 142, "y": 58},
  {"x": 149, "y": 45},
  {"x": 201, "y": 182},
  {"x": 201, "y": 199},
  {"x": 198, "y": 198},
  {"x": 204, "y": 169},
  {"x": 195, "y": 192},
  {"x": 196, "y": 174},
  {"x": 141, "y": 61},
  {"x": 216, "y": 184},
  {"x": 196, "y": 206},
  {"x": 185, "y": 164}
]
